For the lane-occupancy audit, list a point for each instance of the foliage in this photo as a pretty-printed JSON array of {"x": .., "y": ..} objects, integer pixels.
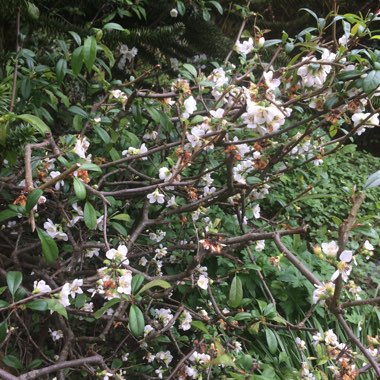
[{"x": 205, "y": 221}]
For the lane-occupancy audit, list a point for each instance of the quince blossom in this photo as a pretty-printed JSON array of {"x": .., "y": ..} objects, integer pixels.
[
  {"x": 41, "y": 287},
  {"x": 203, "y": 282},
  {"x": 119, "y": 255},
  {"x": 190, "y": 106},
  {"x": 344, "y": 269},
  {"x": 245, "y": 47},
  {"x": 156, "y": 196},
  {"x": 330, "y": 249},
  {"x": 81, "y": 146},
  {"x": 52, "y": 231}
]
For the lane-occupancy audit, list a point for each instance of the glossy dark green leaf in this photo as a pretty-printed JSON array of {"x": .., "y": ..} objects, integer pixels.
[
  {"x": 32, "y": 199},
  {"x": 136, "y": 321},
  {"x": 14, "y": 280},
  {"x": 89, "y": 52},
  {"x": 137, "y": 281},
  {"x": 106, "y": 306},
  {"x": 89, "y": 216},
  {"x": 49, "y": 246},
  {"x": 236, "y": 292},
  {"x": 271, "y": 341},
  {"x": 79, "y": 188},
  {"x": 77, "y": 60}
]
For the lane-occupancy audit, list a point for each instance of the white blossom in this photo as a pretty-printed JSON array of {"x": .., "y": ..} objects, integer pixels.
[
  {"x": 203, "y": 282},
  {"x": 156, "y": 196},
  {"x": 190, "y": 106},
  {"x": 41, "y": 287}
]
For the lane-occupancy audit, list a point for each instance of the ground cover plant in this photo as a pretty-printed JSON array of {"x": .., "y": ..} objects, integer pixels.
[{"x": 200, "y": 219}]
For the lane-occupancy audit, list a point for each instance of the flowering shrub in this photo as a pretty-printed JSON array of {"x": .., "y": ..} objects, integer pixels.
[{"x": 142, "y": 240}]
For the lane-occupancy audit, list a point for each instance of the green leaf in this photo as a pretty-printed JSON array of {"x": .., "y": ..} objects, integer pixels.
[
  {"x": 271, "y": 341},
  {"x": 199, "y": 325},
  {"x": 103, "y": 134},
  {"x": 77, "y": 60},
  {"x": 33, "y": 10},
  {"x": 159, "y": 283},
  {"x": 191, "y": 69},
  {"x": 76, "y": 37},
  {"x": 7, "y": 214},
  {"x": 78, "y": 111},
  {"x": 39, "y": 305},
  {"x": 61, "y": 69},
  {"x": 373, "y": 180},
  {"x": 310, "y": 12},
  {"x": 89, "y": 52},
  {"x": 181, "y": 8},
  {"x": 14, "y": 280},
  {"x": 236, "y": 292},
  {"x": 372, "y": 81},
  {"x": 55, "y": 306},
  {"x": 3, "y": 330},
  {"x": 124, "y": 217},
  {"x": 32, "y": 199},
  {"x": 79, "y": 189},
  {"x": 91, "y": 167},
  {"x": 136, "y": 321},
  {"x": 12, "y": 361},
  {"x": 89, "y": 216},
  {"x": 49, "y": 246},
  {"x": 217, "y": 5},
  {"x": 113, "y": 26},
  {"x": 137, "y": 281},
  {"x": 243, "y": 316},
  {"x": 36, "y": 122},
  {"x": 106, "y": 306}
]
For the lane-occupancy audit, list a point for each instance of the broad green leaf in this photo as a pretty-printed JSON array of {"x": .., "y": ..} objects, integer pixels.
[
  {"x": 79, "y": 189},
  {"x": 137, "y": 281},
  {"x": 14, "y": 280},
  {"x": 136, "y": 321},
  {"x": 61, "y": 69},
  {"x": 243, "y": 316},
  {"x": 372, "y": 81},
  {"x": 91, "y": 167},
  {"x": 7, "y": 214},
  {"x": 12, "y": 361},
  {"x": 199, "y": 325},
  {"x": 106, "y": 306},
  {"x": 373, "y": 180},
  {"x": 89, "y": 216},
  {"x": 159, "y": 283},
  {"x": 191, "y": 69},
  {"x": 103, "y": 134},
  {"x": 36, "y": 122},
  {"x": 78, "y": 111},
  {"x": 271, "y": 341},
  {"x": 236, "y": 292},
  {"x": 55, "y": 305},
  {"x": 39, "y": 305},
  {"x": 124, "y": 217},
  {"x": 32, "y": 199},
  {"x": 76, "y": 37},
  {"x": 181, "y": 7},
  {"x": 225, "y": 360},
  {"x": 3, "y": 330},
  {"x": 89, "y": 52},
  {"x": 77, "y": 60},
  {"x": 217, "y": 5},
  {"x": 33, "y": 10},
  {"x": 310, "y": 12},
  {"x": 113, "y": 26},
  {"x": 49, "y": 246}
]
